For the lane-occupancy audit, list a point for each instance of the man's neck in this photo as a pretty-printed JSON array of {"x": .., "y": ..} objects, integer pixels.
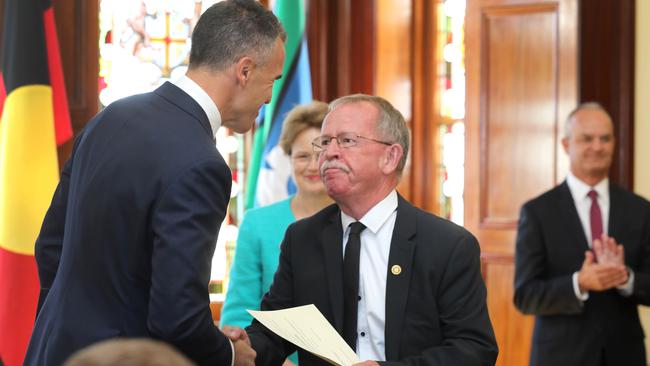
[
  {"x": 590, "y": 179},
  {"x": 215, "y": 85},
  {"x": 359, "y": 205}
]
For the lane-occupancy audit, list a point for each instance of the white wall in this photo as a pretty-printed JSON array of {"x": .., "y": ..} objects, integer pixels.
[{"x": 642, "y": 122}]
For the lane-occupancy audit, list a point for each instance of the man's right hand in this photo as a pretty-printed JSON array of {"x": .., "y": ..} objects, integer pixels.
[
  {"x": 244, "y": 354},
  {"x": 600, "y": 277}
]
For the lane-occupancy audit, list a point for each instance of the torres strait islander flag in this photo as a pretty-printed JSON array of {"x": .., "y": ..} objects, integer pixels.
[{"x": 34, "y": 121}]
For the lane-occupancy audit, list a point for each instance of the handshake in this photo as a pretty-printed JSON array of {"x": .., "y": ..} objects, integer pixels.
[{"x": 244, "y": 354}]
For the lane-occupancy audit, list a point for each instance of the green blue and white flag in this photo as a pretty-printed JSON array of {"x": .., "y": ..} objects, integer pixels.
[{"x": 269, "y": 176}]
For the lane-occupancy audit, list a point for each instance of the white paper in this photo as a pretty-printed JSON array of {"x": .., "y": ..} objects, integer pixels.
[{"x": 308, "y": 329}]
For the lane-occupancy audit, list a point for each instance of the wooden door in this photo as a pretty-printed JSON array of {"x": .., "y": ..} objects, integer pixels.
[{"x": 521, "y": 65}]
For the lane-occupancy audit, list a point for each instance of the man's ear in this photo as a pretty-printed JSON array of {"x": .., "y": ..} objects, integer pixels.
[
  {"x": 565, "y": 144},
  {"x": 391, "y": 158},
  {"x": 243, "y": 69}
]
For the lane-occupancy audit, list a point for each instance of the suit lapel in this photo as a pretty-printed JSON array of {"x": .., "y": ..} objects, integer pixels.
[
  {"x": 570, "y": 215},
  {"x": 402, "y": 248},
  {"x": 332, "y": 244}
]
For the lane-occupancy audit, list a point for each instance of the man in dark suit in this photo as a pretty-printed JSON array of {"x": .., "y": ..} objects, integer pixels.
[
  {"x": 125, "y": 249},
  {"x": 583, "y": 257},
  {"x": 398, "y": 284}
]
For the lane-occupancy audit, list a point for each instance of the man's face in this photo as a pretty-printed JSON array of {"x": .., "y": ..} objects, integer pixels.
[
  {"x": 590, "y": 145},
  {"x": 353, "y": 171},
  {"x": 257, "y": 90}
]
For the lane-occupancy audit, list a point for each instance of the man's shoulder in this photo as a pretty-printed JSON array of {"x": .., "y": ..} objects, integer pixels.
[
  {"x": 559, "y": 192},
  {"x": 310, "y": 226},
  {"x": 326, "y": 215},
  {"x": 425, "y": 223},
  {"x": 625, "y": 196},
  {"x": 131, "y": 101}
]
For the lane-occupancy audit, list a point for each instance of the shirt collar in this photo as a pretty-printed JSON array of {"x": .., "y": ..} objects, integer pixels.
[
  {"x": 199, "y": 95},
  {"x": 376, "y": 216},
  {"x": 580, "y": 189}
]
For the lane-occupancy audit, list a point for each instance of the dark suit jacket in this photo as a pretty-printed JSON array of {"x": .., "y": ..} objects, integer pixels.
[
  {"x": 436, "y": 312},
  {"x": 550, "y": 247},
  {"x": 126, "y": 246}
]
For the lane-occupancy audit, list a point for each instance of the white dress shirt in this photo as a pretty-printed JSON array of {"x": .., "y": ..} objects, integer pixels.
[
  {"x": 579, "y": 191},
  {"x": 214, "y": 117},
  {"x": 200, "y": 96},
  {"x": 373, "y": 267}
]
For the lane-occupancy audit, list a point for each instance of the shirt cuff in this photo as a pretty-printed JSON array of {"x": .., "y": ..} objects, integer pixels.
[
  {"x": 582, "y": 296},
  {"x": 627, "y": 288},
  {"x": 232, "y": 348}
]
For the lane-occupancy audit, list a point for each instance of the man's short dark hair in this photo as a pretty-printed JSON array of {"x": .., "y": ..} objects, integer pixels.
[{"x": 232, "y": 29}]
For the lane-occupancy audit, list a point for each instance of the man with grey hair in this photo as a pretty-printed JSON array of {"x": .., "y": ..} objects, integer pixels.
[
  {"x": 583, "y": 257},
  {"x": 399, "y": 284},
  {"x": 126, "y": 246}
]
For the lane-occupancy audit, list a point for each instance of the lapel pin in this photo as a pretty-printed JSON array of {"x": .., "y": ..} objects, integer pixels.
[{"x": 396, "y": 269}]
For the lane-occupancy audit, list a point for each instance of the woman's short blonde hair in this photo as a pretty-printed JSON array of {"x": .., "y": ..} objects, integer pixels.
[{"x": 299, "y": 119}]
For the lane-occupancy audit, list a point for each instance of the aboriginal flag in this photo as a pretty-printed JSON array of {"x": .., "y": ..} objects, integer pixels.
[{"x": 35, "y": 119}]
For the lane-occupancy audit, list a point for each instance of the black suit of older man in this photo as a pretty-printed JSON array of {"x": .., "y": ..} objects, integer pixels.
[{"x": 436, "y": 312}]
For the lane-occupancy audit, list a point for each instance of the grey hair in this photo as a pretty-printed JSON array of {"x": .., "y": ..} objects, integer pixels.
[
  {"x": 391, "y": 125},
  {"x": 232, "y": 29},
  {"x": 594, "y": 106}
]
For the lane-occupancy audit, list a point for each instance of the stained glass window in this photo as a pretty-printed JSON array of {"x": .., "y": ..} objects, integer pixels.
[
  {"x": 451, "y": 135},
  {"x": 144, "y": 44}
]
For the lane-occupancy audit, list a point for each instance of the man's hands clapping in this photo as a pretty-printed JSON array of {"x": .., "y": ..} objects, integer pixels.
[{"x": 604, "y": 267}]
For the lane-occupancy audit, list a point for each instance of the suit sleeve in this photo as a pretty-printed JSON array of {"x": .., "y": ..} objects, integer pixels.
[
  {"x": 185, "y": 224},
  {"x": 272, "y": 349},
  {"x": 641, "y": 290},
  {"x": 535, "y": 292},
  {"x": 49, "y": 244},
  {"x": 468, "y": 338},
  {"x": 245, "y": 287}
]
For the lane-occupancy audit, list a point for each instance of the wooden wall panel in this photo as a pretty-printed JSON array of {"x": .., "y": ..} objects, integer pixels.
[
  {"x": 393, "y": 81},
  {"x": 317, "y": 33},
  {"x": 521, "y": 64},
  {"x": 392, "y": 69},
  {"x": 511, "y": 327},
  {"x": 420, "y": 180},
  {"x": 341, "y": 41},
  {"x": 77, "y": 25},
  {"x": 518, "y": 113},
  {"x": 520, "y": 83},
  {"x": 607, "y": 73}
]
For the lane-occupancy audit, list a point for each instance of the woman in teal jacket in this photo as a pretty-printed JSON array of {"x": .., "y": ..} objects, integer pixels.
[{"x": 262, "y": 229}]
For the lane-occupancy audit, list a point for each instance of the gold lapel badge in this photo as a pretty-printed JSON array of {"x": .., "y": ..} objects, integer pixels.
[{"x": 396, "y": 269}]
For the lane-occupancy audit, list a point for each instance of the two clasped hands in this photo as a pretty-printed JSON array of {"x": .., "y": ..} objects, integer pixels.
[
  {"x": 244, "y": 353},
  {"x": 604, "y": 266}
]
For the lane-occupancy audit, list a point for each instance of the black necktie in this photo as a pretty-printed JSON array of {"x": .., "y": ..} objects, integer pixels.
[{"x": 351, "y": 284}]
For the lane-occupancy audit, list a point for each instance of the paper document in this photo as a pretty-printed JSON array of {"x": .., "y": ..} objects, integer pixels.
[{"x": 308, "y": 329}]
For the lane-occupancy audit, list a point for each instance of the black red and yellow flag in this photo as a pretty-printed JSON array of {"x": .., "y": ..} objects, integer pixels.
[{"x": 35, "y": 120}]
